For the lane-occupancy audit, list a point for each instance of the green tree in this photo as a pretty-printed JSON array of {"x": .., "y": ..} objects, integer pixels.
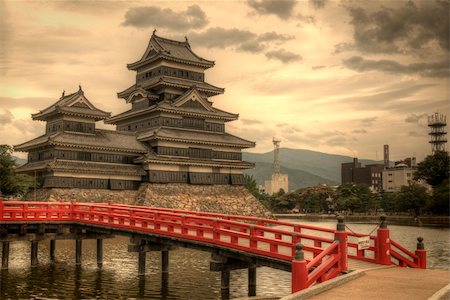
[
  {"x": 439, "y": 203},
  {"x": 413, "y": 197},
  {"x": 355, "y": 197},
  {"x": 434, "y": 169},
  {"x": 10, "y": 183}
]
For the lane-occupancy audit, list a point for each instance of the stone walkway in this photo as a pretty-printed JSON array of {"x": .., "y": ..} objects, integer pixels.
[{"x": 390, "y": 283}]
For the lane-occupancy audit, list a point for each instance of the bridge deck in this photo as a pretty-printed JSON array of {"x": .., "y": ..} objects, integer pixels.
[{"x": 390, "y": 283}]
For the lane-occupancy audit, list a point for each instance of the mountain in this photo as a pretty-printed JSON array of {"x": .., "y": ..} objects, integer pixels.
[{"x": 304, "y": 167}]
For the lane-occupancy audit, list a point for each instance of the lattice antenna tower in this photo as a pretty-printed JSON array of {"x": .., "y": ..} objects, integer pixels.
[
  {"x": 276, "y": 154},
  {"x": 437, "y": 124}
]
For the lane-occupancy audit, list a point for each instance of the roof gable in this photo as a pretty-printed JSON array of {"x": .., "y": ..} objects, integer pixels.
[
  {"x": 159, "y": 47},
  {"x": 75, "y": 103},
  {"x": 192, "y": 98}
]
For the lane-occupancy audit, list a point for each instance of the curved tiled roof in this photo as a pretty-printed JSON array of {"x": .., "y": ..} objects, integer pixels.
[
  {"x": 196, "y": 137},
  {"x": 84, "y": 167},
  {"x": 171, "y": 50},
  {"x": 155, "y": 158},
  {"x": 63, "y": 106},
  {"x": 153, "y": 82},
  {"x": 101, "y": 139}
]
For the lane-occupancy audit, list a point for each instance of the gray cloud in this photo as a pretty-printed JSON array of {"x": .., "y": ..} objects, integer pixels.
[
  {"x": 368, "y": 122},
  {"x": 318, "y": 67},
  {"x": 154, "y": 16},
  {"x": 359, "y": 131},
  {"x": 273, "y": 36},
  {"x": 318, "y": 4},
  {"x": 416, "y": 134},
  {"x": 241, "y": 40},
  {"x": 218, "y": 37},
  {"x": 413, "y": 118},
  {"x": 250, "y": 121},
  {"x": 409, "y": 28},
  {"x": 431, "y": 69},
  {"x": 6, "y": 117},
  {"x": 283, "y": 56},
  {"x": 281, "y": 8},
  {"x": 251, "y": 46},
  {"x": 343, "y": 47}
]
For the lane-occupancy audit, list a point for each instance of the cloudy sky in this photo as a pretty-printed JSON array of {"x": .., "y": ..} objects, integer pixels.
[{"x": 343, "y": 77}]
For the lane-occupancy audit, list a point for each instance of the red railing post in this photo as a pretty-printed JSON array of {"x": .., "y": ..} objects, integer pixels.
[
  {"x": 299, "y": 270},
  {"x": 1, "y": 208},
  {"x": 342, "y": 236},
  {"x": 383, "y": 248},
  {"x": 421, "y": 253}
]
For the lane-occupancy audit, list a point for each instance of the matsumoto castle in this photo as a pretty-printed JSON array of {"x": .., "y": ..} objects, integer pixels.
[{"x": 171, "y": 133}]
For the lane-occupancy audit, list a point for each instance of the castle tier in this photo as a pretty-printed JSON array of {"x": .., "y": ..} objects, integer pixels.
[{"x": 171, "y": 134}]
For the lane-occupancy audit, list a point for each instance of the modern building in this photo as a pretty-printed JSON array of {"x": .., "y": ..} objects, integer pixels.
[
  {"x": 355, "y": 173},
  {"x": 172, "y": 133},
  {"x": 395, "y": 178},
  {"x": 278, "y": 181}
]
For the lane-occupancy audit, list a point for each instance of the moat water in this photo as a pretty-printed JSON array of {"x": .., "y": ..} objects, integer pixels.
[{"x": 189, "y": 276}]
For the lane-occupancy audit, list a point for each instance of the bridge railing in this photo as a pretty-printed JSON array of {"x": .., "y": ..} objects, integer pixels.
[{"x": 325, "y": 251}]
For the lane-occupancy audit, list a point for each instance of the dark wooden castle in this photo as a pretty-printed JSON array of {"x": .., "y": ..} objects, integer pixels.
[{"x": 171, "y": 134}]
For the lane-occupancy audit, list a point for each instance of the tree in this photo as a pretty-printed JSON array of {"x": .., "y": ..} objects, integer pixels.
[
  {"x": 10, "y": 183},
  {"x": 434, "y": 169},
  {"x": 413, "y": 197},
  {"x": 439, "y": 203}
]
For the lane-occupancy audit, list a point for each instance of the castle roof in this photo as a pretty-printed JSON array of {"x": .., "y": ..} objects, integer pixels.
[
  {"x": 184, "y": 161},
  {"x": 163, "y": 48},
  {"x": 168, "y": 81},
  {"x": 195, "y": 137},
  {"x": 201, "y": 108},
  {"x": 75, "y": 104},
  {"x": 117, "y": 141},
  {"x": 74, "y": 166}
]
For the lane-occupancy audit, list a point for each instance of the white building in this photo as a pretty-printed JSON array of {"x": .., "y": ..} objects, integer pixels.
[
  {"x": 278, "y": 182},
  {"x": 395, "y": 178}
]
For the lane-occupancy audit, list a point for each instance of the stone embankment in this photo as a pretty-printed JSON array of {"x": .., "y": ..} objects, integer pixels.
[{"x": 226, "y": 199}]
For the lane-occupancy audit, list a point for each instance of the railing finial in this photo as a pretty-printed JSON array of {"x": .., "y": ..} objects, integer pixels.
[
  {"x": 340, "y": 226},
  {"x": 299, "y": 254},
  {"x": 383, "y": 223},
  {"x": 420, "y": 244}
]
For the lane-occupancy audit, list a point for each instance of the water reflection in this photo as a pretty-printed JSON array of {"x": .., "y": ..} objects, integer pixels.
[{"x": 189, "y": 275}]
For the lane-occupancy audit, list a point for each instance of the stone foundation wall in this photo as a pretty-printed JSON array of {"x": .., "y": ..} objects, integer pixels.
[{"x": 226, "y": 199}]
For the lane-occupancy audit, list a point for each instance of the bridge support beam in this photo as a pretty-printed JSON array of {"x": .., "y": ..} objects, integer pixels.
[
  {"x": 5, "y": 255},
  {"x": 165, "y": 261},
  {"x": 78, "y": 249},
  {"x": 225, "y": 284},
  {"x": 252, "y": 281},
  {"x": 99, "y": 253},
  {"x": 141, "y": 263},
  {"x": 52, "y": 250},
  {"x": 34, "y": 253},
  {"x": 225, "y": 265}
]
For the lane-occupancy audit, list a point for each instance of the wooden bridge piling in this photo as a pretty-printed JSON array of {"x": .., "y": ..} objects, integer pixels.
[
  {"x": 78, "y": 250},
  {"x": 141, "y": 262},
  {"x": 5, "y": 255},
  {"x": 165, "y": 261},
  {"x": 99, "y": 253},
  {"x": 52, "y": 250},
  {"x": 252, "y": 281},
  {"x": 34, "y": 253}
]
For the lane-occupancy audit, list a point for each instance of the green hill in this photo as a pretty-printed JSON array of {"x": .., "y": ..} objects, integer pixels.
[{"x": 304, "y": 167}]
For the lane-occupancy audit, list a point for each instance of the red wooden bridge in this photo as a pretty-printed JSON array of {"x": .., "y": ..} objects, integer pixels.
[{"x": 311, "y": 253}]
